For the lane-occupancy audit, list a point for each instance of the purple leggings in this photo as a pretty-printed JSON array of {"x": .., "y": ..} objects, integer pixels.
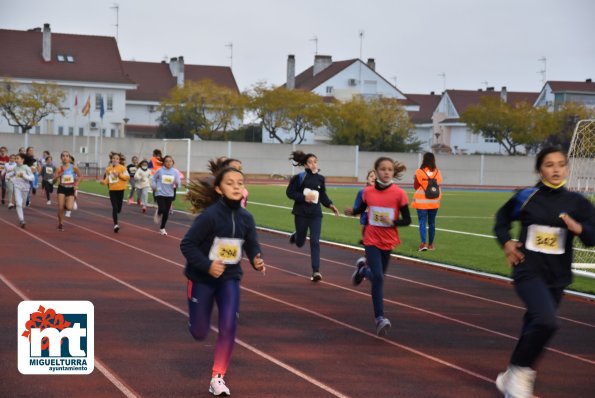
[{"x": 201, "y": 296}]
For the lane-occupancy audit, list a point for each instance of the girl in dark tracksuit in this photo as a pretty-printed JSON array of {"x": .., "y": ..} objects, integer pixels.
[
  {"x": 213, "y": 249},
  {"x": 550, "y": 218},
  {"x": 308, "y": 191}
]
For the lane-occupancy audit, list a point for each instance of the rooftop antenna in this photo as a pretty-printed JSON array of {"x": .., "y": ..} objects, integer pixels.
[
  {"x": 230, "y": 45},
  {"x": 117, "y": 25},
  {"x": 486, "y": 83},
  {"x": 443, "y": 76},
  {"x": 315, "y": 40},
  {"x": 361, "y": 42},
  {"x": 543, "y": 71},
  {"x": 395, "y": 79}
]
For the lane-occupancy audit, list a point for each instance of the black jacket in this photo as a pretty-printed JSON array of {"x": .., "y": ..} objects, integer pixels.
[
  {"x": 542, "y": 205},
  {"x": 218, "y": 220},
  {"x": 295, "y": 191}
]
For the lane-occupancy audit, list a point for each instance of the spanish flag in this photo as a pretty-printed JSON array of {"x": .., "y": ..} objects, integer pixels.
[{"x": 87, "y": 106}]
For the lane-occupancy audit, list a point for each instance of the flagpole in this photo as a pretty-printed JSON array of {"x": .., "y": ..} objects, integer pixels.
[{"x": 76, "y": 113}]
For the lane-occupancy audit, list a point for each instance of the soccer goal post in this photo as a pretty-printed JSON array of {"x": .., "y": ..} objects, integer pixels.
[{"x": 581, "y": 179}]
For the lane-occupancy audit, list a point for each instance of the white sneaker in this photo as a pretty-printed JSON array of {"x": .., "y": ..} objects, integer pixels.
[
  {"x": 156, "y": 217},
  {"x": 516, "y": 382},
  {"x": 49, "y": 202},
  {"x": 162, "y": 231},
  {"x": 75, "y": 206},
  {"x": 218, "y": 387},
  {"x": 116, "y": 228},
  {"x": 382, "y": 326},
  {"x": 67, "y": 213}
]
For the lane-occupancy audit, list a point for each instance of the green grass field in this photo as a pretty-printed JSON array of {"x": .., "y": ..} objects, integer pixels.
[{"x": 464, "y": 223}]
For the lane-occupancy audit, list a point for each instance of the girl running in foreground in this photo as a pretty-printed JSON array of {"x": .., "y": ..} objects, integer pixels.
[
  {"x": 222, "y": 162},
  {"x": 385, "y": 202},
  {"x": 550, "y": 218},
  {"x": 213, "y": 250},
  {"x": 163, "y": 183},
  {"x": 68, "y": 177}
]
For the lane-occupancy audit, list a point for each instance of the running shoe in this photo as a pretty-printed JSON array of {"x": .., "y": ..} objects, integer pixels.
[
  {"x": 431, "y": 246},
  {"x": 61, "y": 227},
  {"x": 144, "y": 209},
  {"x": 163, "y": 232},
  {"x": 130, "y": 201},
  {"x": 292, "y": 238},
  {"x": 49, "y": 202},
  {"x": 66, "y": 213},
  {"x": 138, "y": 202},
  {"x": 75, "y": 206},
  {"x": 23, "y": 223},
  {"x": 358, "y": 276},
  {"x": 382, "y": 326},
  {"x": 116, "y": 228},
  {"x": 218, "y": 387},
  {"x": 516, "y": 382},
  {"x": 422, "y": 248},
  {"x": 316, "y": 276},
  {"x": 11, "y": 206},
  {"x": 156, "y": 217}
]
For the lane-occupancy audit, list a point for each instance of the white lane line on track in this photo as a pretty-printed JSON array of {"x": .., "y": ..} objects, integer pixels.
[
  {"x": 454, "y": 320},
  {"x": 249, "y": 347},
  {"x": 107, "y": 372}
]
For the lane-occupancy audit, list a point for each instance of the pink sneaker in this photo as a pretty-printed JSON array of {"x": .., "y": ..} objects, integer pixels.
[
  {"x": 431, "y": 247},
  {"x": 422, "y": 248},
  {"x": 130, "y": 201}
]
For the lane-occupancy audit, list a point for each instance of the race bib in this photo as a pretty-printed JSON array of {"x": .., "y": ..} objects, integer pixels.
[
  {"x": 49, "y": 170},
  {"x": 544, "y": 239},
  {"x": 132, "y": 170},
  {"x": 376, "y": 214},
  {"x": 113, "y": 178},
  {"x": 308, "y": 191},
  {"x": 167, "y": 180},
  {"x": 67, "y": 179},
  {"x": 227, "y": 250}
]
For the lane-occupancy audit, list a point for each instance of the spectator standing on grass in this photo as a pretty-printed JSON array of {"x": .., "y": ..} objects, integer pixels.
[
  {"x": 142, "y": 179},
  {"x": 21, "y": 178},
  {"x": 116, "y": 178},
  {"x": 387, "y": 209},
  {"x": 163, "y": 183},
  {"x": 550, "y": 218},
  {"x": 213, "y": 250},
  {"x": 426, "y": 200},
  {"x": 307, "y": 190},
  {"x": 68, "y": 177}
]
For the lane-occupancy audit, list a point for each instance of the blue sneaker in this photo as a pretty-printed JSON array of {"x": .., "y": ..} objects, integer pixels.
[
  {"x": 382, "y": 326},
  {"x": 357, "y": 277}
]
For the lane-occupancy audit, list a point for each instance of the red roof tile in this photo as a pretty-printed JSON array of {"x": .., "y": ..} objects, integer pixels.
[
  {"x": 462, "y": 99},
  {"x": 96, "y": 58},
  {"x": 575, "y": 87},
  {"x": 155, "y": 79},
  {"x": 427, "y": 105},
  {"x": 307, "y": 81}
]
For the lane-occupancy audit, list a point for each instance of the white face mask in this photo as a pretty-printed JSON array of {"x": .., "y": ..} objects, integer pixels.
[
  {"x": 144, "y": 168},
  {"x": 115, "y": 163}
]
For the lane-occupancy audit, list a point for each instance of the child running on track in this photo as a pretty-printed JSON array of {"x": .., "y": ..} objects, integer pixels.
[
  {"x": 116, "y": 178},
  {"x": 47, "y": 178},
  {"x": 21, "y": 178},
  {"x": 550, "y": 218},
  {"x": 163, "y": 183},
  {"x": 363, "y": 218},
  {"x": 308, "y": 191},
  {"x": 213, "y": 250},
  {"x": 67, "y": 176},
  {"x": 132, "y": 167},
  {"x": 8, "y": 167},
  {"x": 4, "y": 159},
  {"x": 385, "y": 202},
  {"x": 142, "y": 183}
]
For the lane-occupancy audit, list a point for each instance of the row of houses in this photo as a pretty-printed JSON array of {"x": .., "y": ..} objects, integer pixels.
[{"x": 124, "y": 95}]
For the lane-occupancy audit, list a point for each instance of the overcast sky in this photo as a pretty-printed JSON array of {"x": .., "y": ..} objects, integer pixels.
[{"x": 474, "y": 43}]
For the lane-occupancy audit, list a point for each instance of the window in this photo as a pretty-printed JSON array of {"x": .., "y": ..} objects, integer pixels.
[
  {"x": 15, "y": 129},
  {"x": 60, "y": 130},
  {"x": 98, "y": 100},
  {"x": 488, "y": 139},
  {"x": 70, "y": 59},
  {"x": 71, "y": 131},
  {"x": 60, "y": 58},
  {"x": 329, "y": 89},
  {"x": 112, "y": 133},
  {"x": 81, "y": 131},
  {"x": 110, "y": 102},
  {"x": 37, "y": 129}
]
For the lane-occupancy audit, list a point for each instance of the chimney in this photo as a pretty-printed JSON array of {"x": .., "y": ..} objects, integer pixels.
[
  {"x": 173, "y": 67},
  {"x": 321, "y": 62},
  {"x": 588, "y": 81},
  {"x": 432, "y": 93},
  {"x": 180, "y": 71},
  {"x": 290, "y": 72},
  {"x": 489, "y": 88},
  {"x": 46, "y": 43},
  {"x": 503, "y": 94},
  {"x": 372, "y": 63}
]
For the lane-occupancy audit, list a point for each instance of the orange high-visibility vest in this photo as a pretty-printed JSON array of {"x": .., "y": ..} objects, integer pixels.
[{"x": 420, "y": 183}]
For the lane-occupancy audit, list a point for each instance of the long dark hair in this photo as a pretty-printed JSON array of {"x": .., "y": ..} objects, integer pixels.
[
  {"x": 220, "y": 163},
  {"x": 428, "y": 161},
  {"x": 202, "y": 194},
  {"x": 300, "y": 158},
  {"x": 546, "y": 151},
  {"x": 399, "y": 167}
]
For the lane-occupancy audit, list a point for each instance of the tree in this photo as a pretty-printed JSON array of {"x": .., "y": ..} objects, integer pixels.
[
  {"x": 271, "y": 106},
  {"x": 200, "y": 108},
  {"x": 493, "y": 118},
  {"x": 380, "y": 124},
  {"x": 25, "y": 106},
  {"x": 306, "y": 112},
  {"x": 562, "y": 124}
]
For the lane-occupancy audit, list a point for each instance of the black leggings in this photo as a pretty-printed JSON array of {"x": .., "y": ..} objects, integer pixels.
[
  {"x": 116, "y": 197},
  {"x": 163, "y": 206}
]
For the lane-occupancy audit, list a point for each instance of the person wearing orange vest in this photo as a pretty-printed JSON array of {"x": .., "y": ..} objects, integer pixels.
[
  {"x": 156, "y": 161},
  {"x": 427, "y": 208}
]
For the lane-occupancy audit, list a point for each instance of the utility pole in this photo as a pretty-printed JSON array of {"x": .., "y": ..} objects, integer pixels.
[
  {"x": 117, "y": 8},
  {"x": 485, "y": 83},
  {"x": 443, "y": 76},
  {"x": 543, "y": 71},
  {"x": 230, "y": 45},
  {"x": 361, "y": 43}
]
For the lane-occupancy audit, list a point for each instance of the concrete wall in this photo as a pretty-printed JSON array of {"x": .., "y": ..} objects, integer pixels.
[{"x": 269, "y": 159}]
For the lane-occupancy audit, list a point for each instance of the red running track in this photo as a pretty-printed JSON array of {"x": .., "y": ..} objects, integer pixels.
[{"x": 452, "y": 333}]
